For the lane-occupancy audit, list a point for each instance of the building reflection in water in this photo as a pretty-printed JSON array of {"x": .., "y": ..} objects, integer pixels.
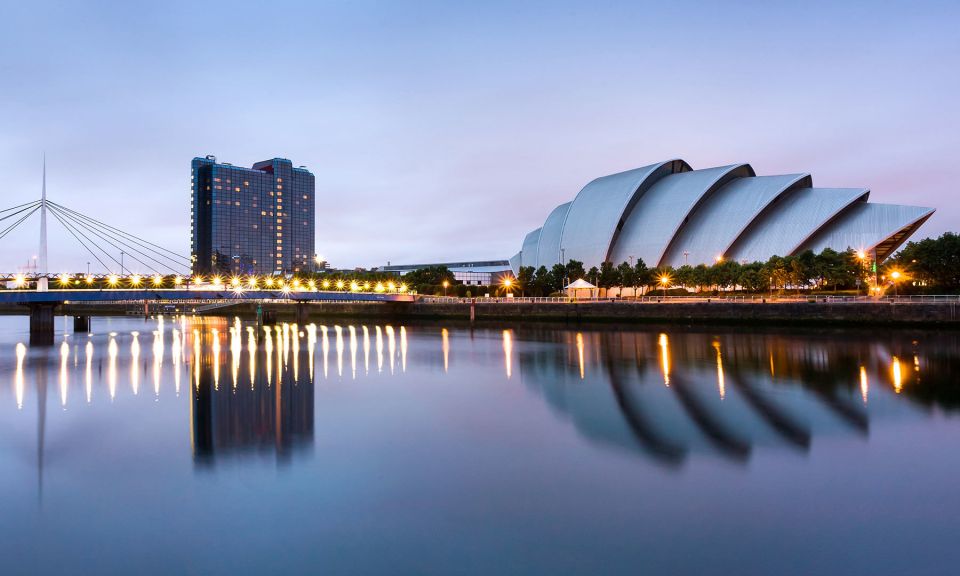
[
  {"x": 666, "y": 394},
  {"x": 274, "y": 414},
  {"x": 672, "y": 394}
]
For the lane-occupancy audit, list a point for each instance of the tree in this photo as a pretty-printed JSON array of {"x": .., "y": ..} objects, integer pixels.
[
  {"x": 525, "y": 279},
  {"x": 558, "y": 277},
  {"x": 575, "y": 270},
  {"x": 608, "y": 275},
  {"x": 543, "y": 282},
  {"x": 593, "y": 276},
  {"x": 932, "y": 261},
  {"x": 626, "y": 276},
  {"x": 683, "y": 276},
  {"x": 431, "y": 275},
  {"x": 752, "y": 277},
  {"x": 641, "y": 274}
]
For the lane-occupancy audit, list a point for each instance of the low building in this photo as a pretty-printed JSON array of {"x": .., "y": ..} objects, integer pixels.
[{"x": 480, "y": 273}]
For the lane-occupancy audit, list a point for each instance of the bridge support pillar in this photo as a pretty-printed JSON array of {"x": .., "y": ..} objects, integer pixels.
[
  {"x": 81, "y": 324},
  {"x": 41, "y": 323},
  {"x": 303, "y": 314}
]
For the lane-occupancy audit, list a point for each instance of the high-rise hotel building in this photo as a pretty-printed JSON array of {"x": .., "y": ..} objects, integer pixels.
[{"x": 258, "y": 220}]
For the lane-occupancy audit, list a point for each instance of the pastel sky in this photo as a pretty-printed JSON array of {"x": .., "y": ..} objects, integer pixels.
[{"x": 447, "y": 130}]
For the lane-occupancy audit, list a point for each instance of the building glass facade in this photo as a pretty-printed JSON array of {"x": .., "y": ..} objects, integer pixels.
[{"x": 258, "y": 220}]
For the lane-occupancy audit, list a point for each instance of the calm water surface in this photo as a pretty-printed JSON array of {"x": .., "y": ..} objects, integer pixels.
[{"x": 171, "y": 446}]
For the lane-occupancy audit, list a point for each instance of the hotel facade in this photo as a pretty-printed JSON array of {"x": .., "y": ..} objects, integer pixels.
[{"x": 258, "y": 220}]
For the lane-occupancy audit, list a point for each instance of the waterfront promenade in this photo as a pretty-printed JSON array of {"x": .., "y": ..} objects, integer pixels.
[{"x": 939, "y": 311}]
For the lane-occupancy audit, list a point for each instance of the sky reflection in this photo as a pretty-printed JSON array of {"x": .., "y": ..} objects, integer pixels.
[{"x": 384, "y": 428}]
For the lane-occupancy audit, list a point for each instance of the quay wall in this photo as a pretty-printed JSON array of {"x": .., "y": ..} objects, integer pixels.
[{"x": 944, "y": 314}]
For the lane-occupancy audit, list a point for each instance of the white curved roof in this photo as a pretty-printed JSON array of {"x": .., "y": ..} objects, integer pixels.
[
  {"x": 548, "y": 252},
  {"x": 722, "y": 217},
  {"x": 661, "y": 211},
  {"x": 515, "y": 263},
  {"x": 787, "y": 224},
  {"x": 528, "y": 254},
  {"x": 598, "y": 211},
  {"x": 867, "y": 226}
]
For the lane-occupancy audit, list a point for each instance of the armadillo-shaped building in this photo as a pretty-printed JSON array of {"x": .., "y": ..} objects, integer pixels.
[{"x": 669, "y": 214}]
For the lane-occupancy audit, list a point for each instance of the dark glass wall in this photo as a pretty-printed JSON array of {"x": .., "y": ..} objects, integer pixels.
[{"x": 258, "y": 220}]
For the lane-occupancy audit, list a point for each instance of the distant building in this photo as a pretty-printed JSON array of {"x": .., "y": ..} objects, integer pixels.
[
  {"x": 258, "y": 220},
  {"x": 483, "y": 273}
]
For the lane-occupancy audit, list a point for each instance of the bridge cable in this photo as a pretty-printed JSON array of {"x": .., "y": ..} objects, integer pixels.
[
  {"x": 117, "y": 230},
  {"x": 22, "y": 210},
  {"x": 18, "y": 222},
  {"x": 28, "y": 204},
  {"x": 97, "y": 233},
  {"x": 94, "y": 244},
  {"x": 92, "y": 253},
  {"x": 108, "y": 236}
]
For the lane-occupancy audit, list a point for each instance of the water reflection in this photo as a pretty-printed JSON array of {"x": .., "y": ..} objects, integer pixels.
[
  {"x": 274, "y": 415},
  {"x": 665, "y": 394},
  {"x": 654, "y": 394}
]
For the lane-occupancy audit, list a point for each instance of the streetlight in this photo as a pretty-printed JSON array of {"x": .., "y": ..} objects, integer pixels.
[
  {"x": 508, "y": 283},
  {"x": 896, "y": 276},
  {"x": 861, "y": 256},
  {"x": 445, "y": 284},
  {"x": 664, "y": 282}
]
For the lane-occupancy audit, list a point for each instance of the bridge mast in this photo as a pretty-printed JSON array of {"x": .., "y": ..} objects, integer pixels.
[{"x": 42, "y": 281}]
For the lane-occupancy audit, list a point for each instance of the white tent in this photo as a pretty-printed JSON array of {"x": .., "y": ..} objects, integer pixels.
[
  {"x": 581, "y": 283},
  {"x": 581, "y": 289}
]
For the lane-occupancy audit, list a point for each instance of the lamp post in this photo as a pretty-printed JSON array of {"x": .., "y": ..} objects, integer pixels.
[
  {"x": 860, "y": 258},
  {"x": 445, "y": 284},
  {"x": 895, "y": 275},
  {"x": 664, "y": 281}
]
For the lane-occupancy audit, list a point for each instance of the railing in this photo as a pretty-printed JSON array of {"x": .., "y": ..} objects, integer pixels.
[{"x": 747, "y": 299}]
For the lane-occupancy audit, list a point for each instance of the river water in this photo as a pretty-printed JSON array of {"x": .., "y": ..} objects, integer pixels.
[{"x": 178, "y": 446}]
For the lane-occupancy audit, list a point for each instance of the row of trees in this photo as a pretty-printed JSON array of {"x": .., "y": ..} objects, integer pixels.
[
  {"x": 933, "y": 264},
  {"x": 827, "y": 270}
]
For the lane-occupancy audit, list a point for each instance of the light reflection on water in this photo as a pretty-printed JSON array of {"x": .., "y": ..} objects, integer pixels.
[{"x": 623, "y": 411}]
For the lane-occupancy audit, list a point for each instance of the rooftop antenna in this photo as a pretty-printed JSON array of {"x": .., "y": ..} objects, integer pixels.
[{"x": 42, "y": 281}]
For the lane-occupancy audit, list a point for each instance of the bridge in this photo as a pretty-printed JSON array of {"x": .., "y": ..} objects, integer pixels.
[
  {"x": 167, "y": 277},
  {"x": 42, "y": 306}
]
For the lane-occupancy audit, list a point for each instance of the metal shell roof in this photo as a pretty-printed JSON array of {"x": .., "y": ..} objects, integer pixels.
[
  {"x": 661, "y": 211},
  {"x": 787, "y": 224},
  {"x": 869, "y": 227},
  {"x": 548, "y": 251},
  {"x": 720, "y": 219},
  {"x": 529, "y": 251},
  {"x": 597, "y": 213}
]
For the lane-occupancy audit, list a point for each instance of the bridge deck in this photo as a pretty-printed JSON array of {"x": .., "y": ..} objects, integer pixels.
[{"x": 159, "y": 295}]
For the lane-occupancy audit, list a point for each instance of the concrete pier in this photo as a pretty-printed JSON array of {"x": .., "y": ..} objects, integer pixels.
[{"x": 42, "y": 322}]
